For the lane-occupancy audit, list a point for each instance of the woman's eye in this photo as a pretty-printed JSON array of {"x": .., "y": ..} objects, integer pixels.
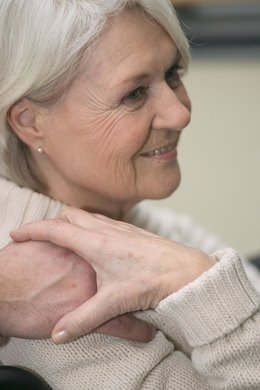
[
  {"x": 173, "y": 74},
  {"x": 136, "y": 95}
]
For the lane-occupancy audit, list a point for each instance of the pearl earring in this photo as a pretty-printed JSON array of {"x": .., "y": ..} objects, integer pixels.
[{"x": 40, "y": 150}]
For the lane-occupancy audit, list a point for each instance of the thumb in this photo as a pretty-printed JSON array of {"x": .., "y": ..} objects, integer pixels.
[{"x": 99, "y": 309}]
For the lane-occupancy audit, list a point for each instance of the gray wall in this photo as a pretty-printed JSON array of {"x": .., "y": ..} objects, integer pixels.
[{"x": 220, "y": 151}]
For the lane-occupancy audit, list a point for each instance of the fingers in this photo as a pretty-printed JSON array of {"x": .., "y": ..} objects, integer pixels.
[
  {"x": 76, "y": 216},
  {"x": 58, "y": 232},
  {"x": 40, "y": 230},
  {"x": 126, "y": 327},
  {"x": 82, "y": 218}
]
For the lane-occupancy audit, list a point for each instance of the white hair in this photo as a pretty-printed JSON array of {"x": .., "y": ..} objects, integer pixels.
[{"x": 41, "y": 44}]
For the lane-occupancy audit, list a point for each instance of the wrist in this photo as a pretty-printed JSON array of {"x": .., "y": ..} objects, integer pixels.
[
  {"x": 191, "y": 265},
  {"x": 196, "y": 264}
]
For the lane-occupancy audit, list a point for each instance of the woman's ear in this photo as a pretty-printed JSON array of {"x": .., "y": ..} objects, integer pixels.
[{"x": 23, "y": 119}]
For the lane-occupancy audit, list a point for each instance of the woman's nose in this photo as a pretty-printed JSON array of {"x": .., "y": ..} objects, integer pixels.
[{"x": 172, "y": 109}]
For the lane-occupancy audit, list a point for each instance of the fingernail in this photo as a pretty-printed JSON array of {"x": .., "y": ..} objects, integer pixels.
[{"x": 60, "y": 337}]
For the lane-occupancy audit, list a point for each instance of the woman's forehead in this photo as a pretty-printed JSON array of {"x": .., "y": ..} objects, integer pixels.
[{"x": 130, "y": 46}]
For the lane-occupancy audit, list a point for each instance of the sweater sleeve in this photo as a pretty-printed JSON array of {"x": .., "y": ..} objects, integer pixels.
[{"x": 218, "y": 316}]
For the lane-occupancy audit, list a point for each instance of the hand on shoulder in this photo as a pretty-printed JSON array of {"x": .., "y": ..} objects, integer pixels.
[{"x": 135, "y": 269}]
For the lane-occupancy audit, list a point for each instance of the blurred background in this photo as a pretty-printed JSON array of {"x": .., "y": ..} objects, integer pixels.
[{"x": 220, "y": 150}]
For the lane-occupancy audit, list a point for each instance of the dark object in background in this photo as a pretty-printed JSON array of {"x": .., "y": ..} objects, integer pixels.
[
  {"x": 15, "y": 378},
  {"x": 222, "y": 29},
  {"x": 255, "y": 260}
]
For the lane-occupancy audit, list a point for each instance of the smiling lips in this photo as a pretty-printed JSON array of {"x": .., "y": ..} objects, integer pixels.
[{"x": 167, "y": 150}]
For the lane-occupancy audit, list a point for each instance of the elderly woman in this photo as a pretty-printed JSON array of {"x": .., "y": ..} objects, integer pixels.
[{"x": 92, "y": 109}]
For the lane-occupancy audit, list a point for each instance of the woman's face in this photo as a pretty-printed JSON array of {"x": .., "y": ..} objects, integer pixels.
[{"x": 111, "y": 141}]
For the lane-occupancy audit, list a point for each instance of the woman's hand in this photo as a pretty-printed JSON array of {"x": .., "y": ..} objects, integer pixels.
[
  {"x": 135, "y": 269},
  {"x": 40, "y": 282}
]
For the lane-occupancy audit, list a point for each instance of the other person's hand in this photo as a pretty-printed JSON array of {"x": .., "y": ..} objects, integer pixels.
[
  {"x": 135, "y": 269},
  {"x": 40, "y": 282}
]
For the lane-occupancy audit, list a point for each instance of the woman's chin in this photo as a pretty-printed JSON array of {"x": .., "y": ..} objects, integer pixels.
[{"x": 164, "y": 189}]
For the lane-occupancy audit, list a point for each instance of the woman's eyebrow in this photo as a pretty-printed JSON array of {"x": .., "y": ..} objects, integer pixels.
[
  {"x": 176, "y": 60},
  {"x": 135, "y": 77},
  {"x": 142, "y": 76}
]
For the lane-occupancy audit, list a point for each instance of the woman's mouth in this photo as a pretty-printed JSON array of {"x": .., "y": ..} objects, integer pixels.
[{"x": 167, "y": 152}]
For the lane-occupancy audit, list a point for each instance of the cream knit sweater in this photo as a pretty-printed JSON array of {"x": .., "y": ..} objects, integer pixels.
[{"x": 208, "y": 332}]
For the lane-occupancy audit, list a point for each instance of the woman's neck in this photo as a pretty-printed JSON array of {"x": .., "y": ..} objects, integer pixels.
[{"x": 95, "y": 204}]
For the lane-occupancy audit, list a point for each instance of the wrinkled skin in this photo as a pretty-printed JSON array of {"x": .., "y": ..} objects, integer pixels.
[{"x": 135, "y": 269}]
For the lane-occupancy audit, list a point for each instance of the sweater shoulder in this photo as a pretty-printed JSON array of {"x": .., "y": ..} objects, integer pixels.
[
  {"x": 22, "y": 205},
  {"x": 174, "y": 226}
]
